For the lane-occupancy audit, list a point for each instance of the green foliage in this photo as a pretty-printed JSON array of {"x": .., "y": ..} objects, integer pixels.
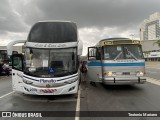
[{"x": 157, "y": 42}]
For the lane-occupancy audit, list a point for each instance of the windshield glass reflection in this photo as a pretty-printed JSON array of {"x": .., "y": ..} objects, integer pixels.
[
  {"x": 50, "y": 63},
  {"x": 123, "y": 52}
]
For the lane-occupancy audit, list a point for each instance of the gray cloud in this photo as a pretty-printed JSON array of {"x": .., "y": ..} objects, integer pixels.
[
  {"x": 109, "y": 17},
  {"x": 89, "y": 13},
  {"x": 123, "y": 14},
  {"x": 9, "y": 20}
]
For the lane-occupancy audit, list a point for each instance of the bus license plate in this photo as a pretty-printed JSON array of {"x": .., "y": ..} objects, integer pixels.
[{"x": 126, "y": 73}]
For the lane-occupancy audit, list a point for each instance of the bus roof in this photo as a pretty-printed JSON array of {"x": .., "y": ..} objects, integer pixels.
[
  {"x": 53, "y": 32},
  {"x": 59, "y": 21},
  {"x": 115, "y": 39}
]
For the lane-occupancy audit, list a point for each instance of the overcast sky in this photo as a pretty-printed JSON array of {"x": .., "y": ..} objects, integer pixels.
[{"x": 96, "y": 19}]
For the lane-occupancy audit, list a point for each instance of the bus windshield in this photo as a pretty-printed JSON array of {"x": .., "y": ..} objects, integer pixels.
[
  {"x": 48, "y": 63},
  {"x": 53, "y": 32},
  {"x": 114, "y": 52}
]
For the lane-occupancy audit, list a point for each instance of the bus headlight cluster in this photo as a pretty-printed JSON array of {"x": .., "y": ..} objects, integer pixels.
[
  {"x": 140, "y": 73},
  {"x": 27, "y": 81},
  {"x": 71, "y": 81},
  {"x": 110, "y": 73}
]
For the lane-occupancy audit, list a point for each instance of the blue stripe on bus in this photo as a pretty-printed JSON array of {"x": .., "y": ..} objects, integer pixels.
[{"x": 115, "y": 64}]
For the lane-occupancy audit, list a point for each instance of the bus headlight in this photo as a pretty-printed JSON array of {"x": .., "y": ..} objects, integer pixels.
[
  {"x": 71, "y": 81},
  {"x": 27, "y": 81},
  {"x": 110, "y": 73},
  {"x": 140, "y": 73}
]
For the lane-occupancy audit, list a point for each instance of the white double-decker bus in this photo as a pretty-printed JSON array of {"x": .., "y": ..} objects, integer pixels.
[{"x": 50, "y": 63}]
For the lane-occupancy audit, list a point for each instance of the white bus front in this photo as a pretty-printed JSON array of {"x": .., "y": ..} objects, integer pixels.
[
  {"x": 47, "y": 72},
  {"x": 50, "y": 63}
]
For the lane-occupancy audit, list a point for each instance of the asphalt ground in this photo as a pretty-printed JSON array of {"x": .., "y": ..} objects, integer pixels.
[{"x": 100, "y": 99}]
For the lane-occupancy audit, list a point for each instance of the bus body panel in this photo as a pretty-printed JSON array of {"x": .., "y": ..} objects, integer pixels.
[
  {"x": 121, "y": 62},
  {"x": 17, "y": 80},
  {"x": 49, "y": 68},
  {"x": 39, "y": 86},
  {"x": 95, "y": 72},
  {"x": 43, "y": 86},
  {"x": 67, "y": 89},
  {"x": 125, "y": 72}
]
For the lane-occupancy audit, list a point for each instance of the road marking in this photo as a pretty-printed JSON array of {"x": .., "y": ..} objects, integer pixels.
[
  {"x": 154, "y": 81},
  {"x": 77, "y": 116},
  {"x": 6, "y": 94},
  {"x": 151, "y": 71},
  {"x": 152, "y": 67}
]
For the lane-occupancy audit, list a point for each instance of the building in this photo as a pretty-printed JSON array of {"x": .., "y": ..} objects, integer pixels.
[
  {"x": 150, "y": 28},
  {"x": 149, "y": 34},
  {"x": 151, "y": 50},
  {"x": 15, "y": 48}
]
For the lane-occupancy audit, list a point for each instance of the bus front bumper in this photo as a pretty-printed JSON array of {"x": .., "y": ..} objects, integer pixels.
[
  {"x": 67, "y": 89},
  {"x": 124, "y": 80}
]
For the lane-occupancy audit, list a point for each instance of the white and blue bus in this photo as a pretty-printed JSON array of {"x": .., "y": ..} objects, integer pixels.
[
  {"x": 116, "y": 61},
  {"x": 50, "y": 63}
]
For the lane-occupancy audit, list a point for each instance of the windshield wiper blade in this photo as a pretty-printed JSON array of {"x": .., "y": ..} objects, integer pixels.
[
  {"x": 132, "y": 55},
  {"x": 118, "y": 56}
]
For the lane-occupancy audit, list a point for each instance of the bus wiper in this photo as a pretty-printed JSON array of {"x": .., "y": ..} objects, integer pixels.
[
  {"x": 118, "y": 56},
  {"x": 131, "y": 54}
]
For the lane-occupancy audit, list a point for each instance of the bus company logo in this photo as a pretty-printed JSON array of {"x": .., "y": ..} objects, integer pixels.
[
  {"x": 6, "y": 114},
  {"x": 48, "y": 86},
  {"x": 61, "y": 45},
  {"x": 38, "y": 45},
  {"x": 56, "y": 45},
  {"x": 48, "y": 90},
  {"x": 48, "y": 81},
  {"x": 33, "y": 89},
  {"x": 49, "y": 45},
  {"x": 125, "y": 61},
  {"x": 30, "y": 89}
]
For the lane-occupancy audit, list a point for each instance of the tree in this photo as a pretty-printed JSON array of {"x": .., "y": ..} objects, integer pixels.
[
  {"x": 146, "y": 54},
  {"x": 157, "y": 42}
]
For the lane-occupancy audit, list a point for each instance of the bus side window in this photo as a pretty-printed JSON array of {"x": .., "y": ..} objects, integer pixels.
[
  {"x": 91, "y": 53},
  {"x": 98, "y": 54},
  {"x": 17, "y": 63}
]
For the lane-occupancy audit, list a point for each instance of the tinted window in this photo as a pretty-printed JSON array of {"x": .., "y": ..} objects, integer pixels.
[
  {"x": 17, "y": 63},
  {"x": 53, "y": 32},
  {"x": 50, "y": 63}
]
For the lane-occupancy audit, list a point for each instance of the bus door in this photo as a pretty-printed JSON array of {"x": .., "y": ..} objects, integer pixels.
[
  {"x": 17, "y": 72},
  {"x": 94, "y": 73}
]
